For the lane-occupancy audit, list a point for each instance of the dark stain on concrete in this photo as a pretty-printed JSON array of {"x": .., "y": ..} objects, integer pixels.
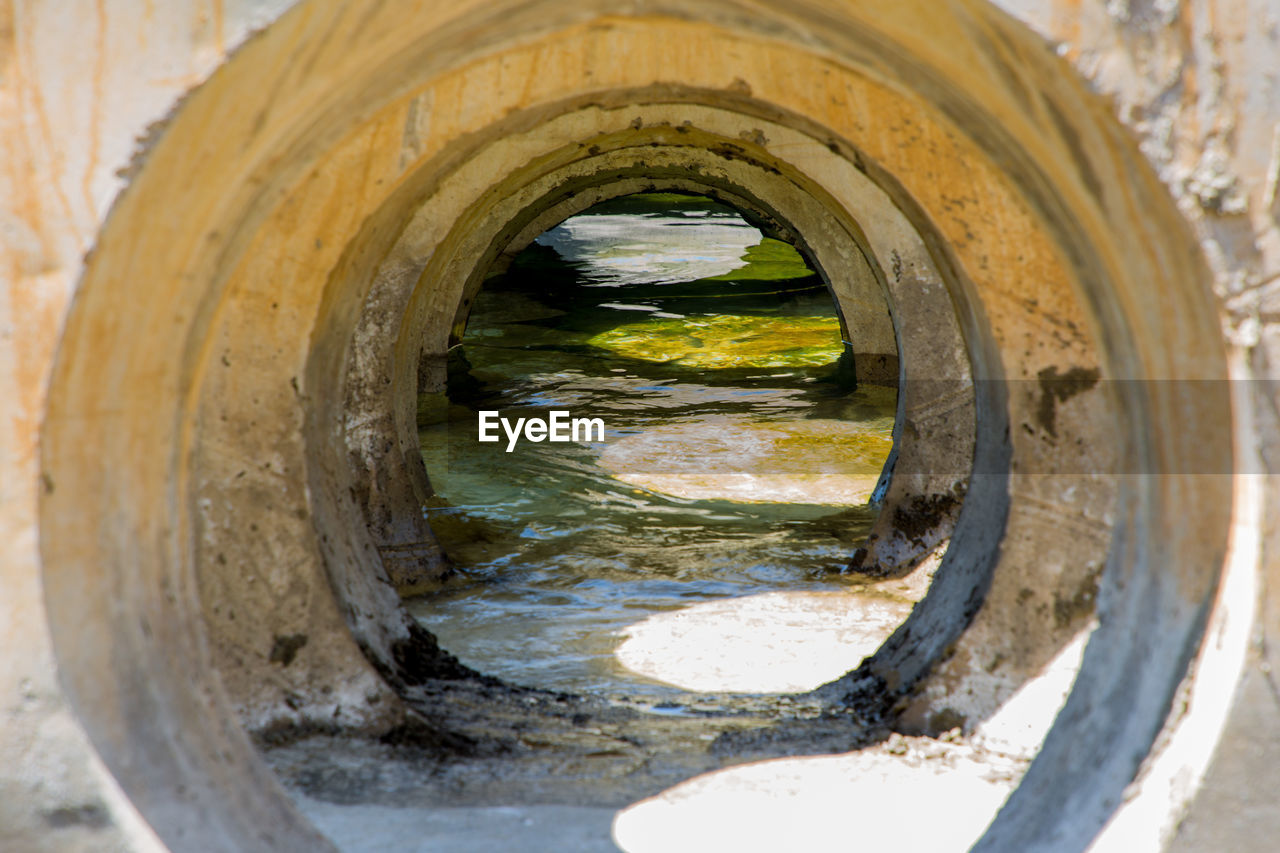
[
  {"x": 90, "y": 815},
  {"x": 1058, "y": 388},
  {"x": 1069, "y": 611},
  {"x": 419, "y": 658},
  {"x": 1072, "y": 140},
  {"x": 918, "y": 517},
  {"x": 287, "y": 730},
  {"x": 945, "y": 720},
  {"x": 285, "y": 648},
  {"x": 417, "y": 733}
]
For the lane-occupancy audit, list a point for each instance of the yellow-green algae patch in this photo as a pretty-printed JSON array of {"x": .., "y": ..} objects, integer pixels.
[
  {"x": 768, "y": 260},
  {"x": 801, "y": 461},
  {"x": 728, "y": 340}
]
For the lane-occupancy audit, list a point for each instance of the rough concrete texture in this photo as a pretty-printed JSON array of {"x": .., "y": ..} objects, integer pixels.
[
  {"x": 646, "y": 146},
  {"x": 210, "y": 481}
]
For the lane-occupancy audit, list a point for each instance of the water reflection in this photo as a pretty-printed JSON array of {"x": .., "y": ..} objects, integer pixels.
[
  {"x": 735, "y": 462},
  {"x": 816, "y": 461},
  {"x": 656, "y": 239}
]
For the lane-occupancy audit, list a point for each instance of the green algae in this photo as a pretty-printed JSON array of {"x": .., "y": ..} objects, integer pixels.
[
  {"x": 668, "y": 202},
  {"x": 768, "y": 260},
  {"x": 727, "y": 341}
]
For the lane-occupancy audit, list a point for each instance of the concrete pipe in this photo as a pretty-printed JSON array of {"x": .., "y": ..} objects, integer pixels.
[{"x": 221, "y": 372}]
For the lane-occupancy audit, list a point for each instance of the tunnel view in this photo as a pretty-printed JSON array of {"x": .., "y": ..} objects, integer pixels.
[
  {"x": 659, "y": 583},
  {"x": 694, "y": 537},
  {"x": 562, "y": 426}
]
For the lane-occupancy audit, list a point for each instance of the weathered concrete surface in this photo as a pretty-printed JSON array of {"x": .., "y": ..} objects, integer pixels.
[
  {"x": 77, "y": 91},
  {"x": 202, "y": 376},
  {"x": 1197, "y": 83}
]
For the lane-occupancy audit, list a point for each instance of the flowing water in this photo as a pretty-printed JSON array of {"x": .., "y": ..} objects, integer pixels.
[{"x": 736, "y": 462}]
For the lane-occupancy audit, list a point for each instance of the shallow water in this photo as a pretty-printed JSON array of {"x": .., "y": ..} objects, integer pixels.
[{"x": 735, "y": 461}]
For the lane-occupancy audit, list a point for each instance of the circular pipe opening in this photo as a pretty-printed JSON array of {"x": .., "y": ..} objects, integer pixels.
[
  {"x": 724, "y": 453},
  {"x": 230, "y": 570}
]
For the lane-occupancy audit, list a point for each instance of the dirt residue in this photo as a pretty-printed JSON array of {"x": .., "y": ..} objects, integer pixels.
[
  {"x": 481, "y": 741},
  {"x": 920, "y": 516},
  {"x": 419, "y": 658},
  {"x": 1058, "y": 388}
]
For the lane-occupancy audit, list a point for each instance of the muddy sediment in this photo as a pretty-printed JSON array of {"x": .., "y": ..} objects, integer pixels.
[{"x": 514, "y": 746}]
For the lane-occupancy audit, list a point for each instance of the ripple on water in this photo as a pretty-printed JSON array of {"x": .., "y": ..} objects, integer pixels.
[{"x": 731, "y": 458}]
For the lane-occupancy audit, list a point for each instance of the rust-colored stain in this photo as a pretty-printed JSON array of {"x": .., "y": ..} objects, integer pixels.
[
  {"x": 218, "y": 14},
  {"x": 35, "y": 294},
  {"x": 28, "y": 108},
  {"x": 95, "y": 107}
]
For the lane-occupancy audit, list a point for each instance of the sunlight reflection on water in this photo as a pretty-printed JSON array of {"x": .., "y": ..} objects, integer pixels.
[{"x": 614, "y": 250}]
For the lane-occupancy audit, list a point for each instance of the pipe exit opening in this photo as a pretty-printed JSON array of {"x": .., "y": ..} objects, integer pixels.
[{"x": 691, "y": 536}]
